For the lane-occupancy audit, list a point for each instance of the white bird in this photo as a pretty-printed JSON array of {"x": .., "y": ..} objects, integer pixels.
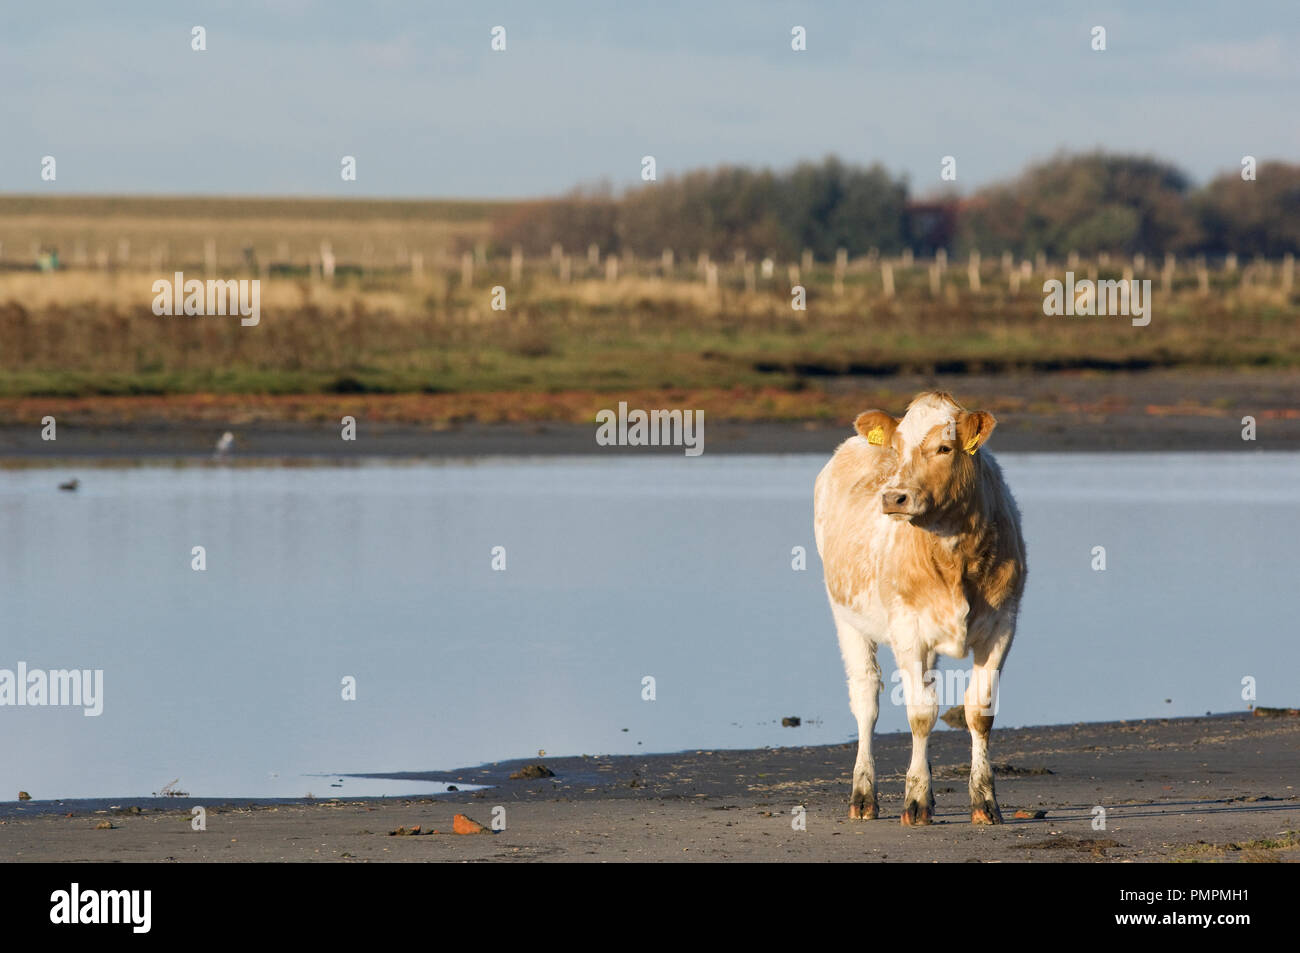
[{"x": 224, "y": 444}]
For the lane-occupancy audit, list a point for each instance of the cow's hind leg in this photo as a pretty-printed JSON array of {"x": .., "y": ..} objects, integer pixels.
[
  {"x": 864, "y": 699},
  {"x": 981, "y": 694},
  {"x": 922, "y": 712}
]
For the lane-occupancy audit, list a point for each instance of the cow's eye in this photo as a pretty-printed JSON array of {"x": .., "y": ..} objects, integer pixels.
[{"x": 944, "y": 448}]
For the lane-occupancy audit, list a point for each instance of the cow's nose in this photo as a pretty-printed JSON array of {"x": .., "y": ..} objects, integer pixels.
[{"x": 895, "y": 498}]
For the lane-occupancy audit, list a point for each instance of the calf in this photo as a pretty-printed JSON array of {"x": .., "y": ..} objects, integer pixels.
[{"x": 921, "y": 548}]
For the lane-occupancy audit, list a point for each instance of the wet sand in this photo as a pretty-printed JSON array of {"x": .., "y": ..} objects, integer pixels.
[
  {"x": 1152, "y": 410},
  {"x": 1215, "y": 789},
  {"x": 264, "y": 443}
]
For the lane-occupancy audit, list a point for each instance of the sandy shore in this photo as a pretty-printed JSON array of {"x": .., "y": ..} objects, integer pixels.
[
  {"x": 1220, "y": 788},
  {"x": 264, "y": 443},
  {"x": 1153, "y": 410}
]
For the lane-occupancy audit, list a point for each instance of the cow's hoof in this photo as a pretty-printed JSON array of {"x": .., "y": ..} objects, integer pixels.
[
  {"x": 862, "y": 810},
  {"x": 914, "y": 815},
  {"x": 986, "y": 813}
]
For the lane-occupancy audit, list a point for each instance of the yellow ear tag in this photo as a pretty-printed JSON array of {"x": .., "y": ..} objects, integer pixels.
[
  {"x": 972, "y": 445},
  {"x": 876, "y": 436}
]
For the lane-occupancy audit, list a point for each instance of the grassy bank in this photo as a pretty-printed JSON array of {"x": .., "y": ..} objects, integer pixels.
[{"x": 88, "y": 333}]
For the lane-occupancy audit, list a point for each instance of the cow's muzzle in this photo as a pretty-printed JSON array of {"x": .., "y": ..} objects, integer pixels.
[{"x": 900, "y": 504}]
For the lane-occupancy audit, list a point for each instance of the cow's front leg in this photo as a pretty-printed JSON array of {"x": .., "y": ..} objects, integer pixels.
[
  {"x": 981, "y": 696},
  {"x": 863, "y": 673},
  {"x": 922, "y": 710}
]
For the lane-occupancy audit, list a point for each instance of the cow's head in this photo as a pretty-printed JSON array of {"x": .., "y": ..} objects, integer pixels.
[{"x": 934, "y": 444}]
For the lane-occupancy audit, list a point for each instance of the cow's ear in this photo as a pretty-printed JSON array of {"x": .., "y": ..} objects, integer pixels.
[
  {"x": 974, "y": 428},
  {"x": 877, "y": 426}
]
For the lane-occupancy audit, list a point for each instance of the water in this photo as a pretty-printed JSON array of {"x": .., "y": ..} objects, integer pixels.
[{"x": 229, "y": 680}]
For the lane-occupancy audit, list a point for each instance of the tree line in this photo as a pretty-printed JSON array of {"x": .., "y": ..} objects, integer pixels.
[{"x": 1086, "y": 203}]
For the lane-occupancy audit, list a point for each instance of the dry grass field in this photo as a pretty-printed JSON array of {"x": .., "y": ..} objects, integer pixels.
[{"x": 149, "y": 233}]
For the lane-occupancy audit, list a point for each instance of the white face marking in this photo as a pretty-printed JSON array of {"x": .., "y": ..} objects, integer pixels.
[{"x": 922, "y": 417}]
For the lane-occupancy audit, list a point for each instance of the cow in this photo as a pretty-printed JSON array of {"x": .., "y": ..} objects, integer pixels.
[{"x": 921, "y": 549}]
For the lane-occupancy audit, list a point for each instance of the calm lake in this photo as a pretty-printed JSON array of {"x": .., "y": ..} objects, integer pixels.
[{"x": 230, "y": 680}]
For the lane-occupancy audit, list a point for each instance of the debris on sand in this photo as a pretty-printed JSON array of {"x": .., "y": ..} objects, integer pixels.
[
  {"x": 1015, "y": 771},
  {"x": 465, "y": 825},
  {"x": 955, "y": 717},
  {"x": 1024, "y": 815},
  {"x": 792, "y": 721},
  {"x": 531, "y": 772},
  {"x": 1097, "y": 846},
  {"x": 105, "y": 826},
  {"x": 409, "y": 832},
  {"x": 1000, "y": 768}
]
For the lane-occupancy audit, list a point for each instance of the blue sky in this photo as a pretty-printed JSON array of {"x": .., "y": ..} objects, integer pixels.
[{"x": 583, "y": 91}]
